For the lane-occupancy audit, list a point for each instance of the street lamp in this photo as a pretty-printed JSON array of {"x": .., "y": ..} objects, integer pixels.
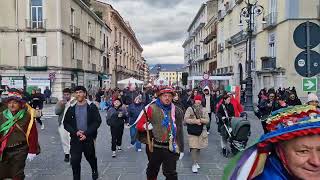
[
  {"x": 117, "y": 50},
  {"x": 248, "y": 14}
]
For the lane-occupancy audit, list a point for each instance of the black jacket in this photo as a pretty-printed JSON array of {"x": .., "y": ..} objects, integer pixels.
[
  {"x": 229, "y": 108},
  {"x": 212, "y": 102},
  {"x": 113, "y": 118},
  {"x": 265, "y": 110},
  {"x": 93, "y": 121}
]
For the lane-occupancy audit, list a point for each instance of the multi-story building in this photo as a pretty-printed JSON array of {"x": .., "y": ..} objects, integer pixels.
[
  {"x": 172, "y": 73},
  {"x": 273, "y": 49},
  {"x": 125, "y": 50},
  {"x": 146, "y": 73},
  {"x": 194, "y": 49},
  {"x": 53, "y": 43}
]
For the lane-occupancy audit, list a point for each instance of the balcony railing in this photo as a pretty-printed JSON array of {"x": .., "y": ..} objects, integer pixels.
[
  {"x": 76, "y": 64},
  {"x": 221, "y": 14},
  {"x": 268, "y": 63},
  {"x": 220, "y": 47},
  {"x": 228, "y": 43},
  {"x": 91, "y": 41},
  {"x": 206, "y": 56},
  {"x": 36, "y": 63},
  {"x": 228, "y": 6},
  {"x": 210, "y": 37},
  {"x": 238, "y": 1},
  {"x": 39, "y": 25},
  {"x": 75, "y": 32},
  {"x": 271, "y": 20}
]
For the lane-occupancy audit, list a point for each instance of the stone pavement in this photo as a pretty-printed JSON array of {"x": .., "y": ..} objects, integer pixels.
[{"x": 129, "y": 165}]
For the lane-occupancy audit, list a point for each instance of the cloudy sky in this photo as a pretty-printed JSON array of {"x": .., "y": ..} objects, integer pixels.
[{"x": 160, "y": 25}]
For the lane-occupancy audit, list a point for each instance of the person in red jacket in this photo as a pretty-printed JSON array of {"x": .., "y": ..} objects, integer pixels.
[
  {"x": 18, "y": 136},
  {"x": 238, "y": 109}
]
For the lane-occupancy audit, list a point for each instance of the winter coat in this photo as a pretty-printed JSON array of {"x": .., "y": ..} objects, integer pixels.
[
  {"x": 294, "y": 102},
  {"x": 204, "y": 101},
  {"x": 37, "y": 101},
  {"x": 134, "y": 111},
  {"x": 237, "y": 107},
  {"x": 113, "y": 118},
  {"x": 197, "y": 142},
  {"x": 129, "y": 97},
  {"x": 265, "y": 110},
  {"x": 93, "y": 121},
  {"x": 47, "y": 93}
]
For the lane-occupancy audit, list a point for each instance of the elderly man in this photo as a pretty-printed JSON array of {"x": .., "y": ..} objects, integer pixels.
[
  {"x": 289, "y": 150},
  {"x": 164, "y": 120},
  {"x": 18, "y": 137}
]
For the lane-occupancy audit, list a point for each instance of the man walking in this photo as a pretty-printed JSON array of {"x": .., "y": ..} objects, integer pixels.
[
  {"x": 208, "y": 104},
  {"x": 82, "y": 121},
  {"x": 47, "y": 95},
  {"x": 60, "y": 110},
  {"x": 164, "y": 120}
]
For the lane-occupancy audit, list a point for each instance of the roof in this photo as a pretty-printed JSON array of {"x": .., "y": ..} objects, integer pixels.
[{"x": 165, "y": 68}]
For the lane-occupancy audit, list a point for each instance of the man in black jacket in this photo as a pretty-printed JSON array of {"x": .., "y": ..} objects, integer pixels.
[{"x": 82, "y": 121}]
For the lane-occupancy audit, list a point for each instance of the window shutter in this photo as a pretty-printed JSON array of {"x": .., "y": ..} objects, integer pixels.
[
  {"x": 42, "y": 46},
  {"x": 28, "y": 46}
]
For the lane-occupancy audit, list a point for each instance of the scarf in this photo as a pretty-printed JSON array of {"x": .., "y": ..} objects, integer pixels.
[
  {"x": 7, "y": 128},
  {"x": 166, "y": 109}
]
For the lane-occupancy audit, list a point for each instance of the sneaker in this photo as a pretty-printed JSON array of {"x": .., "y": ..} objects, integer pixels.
[
  {"x": 95, "y": 175},
  {"x": 139, "y": 150},
  {"x": 131, "y": 146},
  {"x": 114, "y": 154},
  {"x": 42, "y": 126},
  {"x": 194, "y": 168},
  {"x": 198, "y": 166},
  {"x": 66, "y": 158},
  {"x": 119, "y": 148}
]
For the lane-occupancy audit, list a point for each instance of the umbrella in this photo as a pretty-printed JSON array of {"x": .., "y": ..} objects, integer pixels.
[{"x": 130, "y": 80}]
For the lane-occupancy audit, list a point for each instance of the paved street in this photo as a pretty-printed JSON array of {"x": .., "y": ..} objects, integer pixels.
[{"x": 129, "y": 164}]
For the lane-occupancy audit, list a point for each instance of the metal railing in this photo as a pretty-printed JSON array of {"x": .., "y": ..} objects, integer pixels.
[
  {"x": 36, "y": 62},
  {"x": 75, "y": 32},
  {"x": 268, "y": 63},
  {"x": 271, "y": 20},
  {"x": 38, "y": 25}
]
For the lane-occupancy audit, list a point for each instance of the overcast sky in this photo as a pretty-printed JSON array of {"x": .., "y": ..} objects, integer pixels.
[{"x": 160, "y": 25}]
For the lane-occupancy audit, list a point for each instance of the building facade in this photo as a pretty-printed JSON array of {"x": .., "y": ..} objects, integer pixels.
[
  {"x": 125, "y": 50},
  {"x": 273, "y": 50},
  {"x": 53, "y": 43}
]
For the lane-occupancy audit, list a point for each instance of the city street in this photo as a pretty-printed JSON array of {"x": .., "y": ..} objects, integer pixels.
[{"x": 128, "y": 164}]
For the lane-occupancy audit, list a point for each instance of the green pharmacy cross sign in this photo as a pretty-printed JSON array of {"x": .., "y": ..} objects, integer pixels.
[{"x": 310, "y": 84}]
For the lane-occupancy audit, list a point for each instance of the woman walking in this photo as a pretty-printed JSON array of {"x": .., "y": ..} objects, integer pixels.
[
  {"x": 196, "y": 118},
  {"x": 116, "y": 118},
  {"x": 225, "y": 113},
  {"x": 134, "y": 110}
]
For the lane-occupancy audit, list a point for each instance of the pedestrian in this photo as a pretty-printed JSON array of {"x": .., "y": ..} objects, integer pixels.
[
  {"x": 47, "y": 95},
  {"x": 18, "y": 135},
  {"x": 2, "y": 104},
  {"x": 177, "y": 102},
  {"x": 82, "y": 121},
  {"x": 116, "y": 118},
  {"x": 37, "y": 99},
  {"x": 208, "y": 103},
  {"x": 293, "y": 100},
  {"x": 290, "y": 149},
  {"x": 225, "y": 114},
  {"x": 187, "y": 99},
  {"x": 60, "y": 110},
  {"x": 196, "y": 117},
  {"x": 165, "y": 143},
  {"x": 134, "y": 110},
  {"x": 267, "y": 106},
  {"x": 313, "y": 100}
]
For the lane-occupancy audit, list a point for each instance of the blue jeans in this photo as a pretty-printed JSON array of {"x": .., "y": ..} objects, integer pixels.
[{"x": 135, "y": 142}]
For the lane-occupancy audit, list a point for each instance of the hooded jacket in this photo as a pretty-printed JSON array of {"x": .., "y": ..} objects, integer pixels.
[{"x": 204, "y": 101}]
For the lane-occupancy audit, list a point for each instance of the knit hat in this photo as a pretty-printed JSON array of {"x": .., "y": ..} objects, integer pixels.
[
  {"x": 165, "y": 90},
  {"x": 14, "y": 94},
  {"x": 312, "y": 97},
  {"x": 283, "y": 125},
  {"x": 198, "y": 97}
]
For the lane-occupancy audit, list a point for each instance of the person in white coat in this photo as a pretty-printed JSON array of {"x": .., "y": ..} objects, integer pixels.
[{"x": 60, "y": 110}]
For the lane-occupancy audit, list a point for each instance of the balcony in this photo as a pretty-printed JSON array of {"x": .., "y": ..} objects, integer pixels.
[
  {"x": 268, "y": 63},
  {"x": 228, "y": 43},
  {"x": 271, "y": 20},
  {"x": 220, "y": 47},
  {"x": 221, "y": 14},
  {"x": 75, "y": 32},
  {"x": 91, "y": 41},
  {"x": 238, "y": 38},
  {"x": 36, "y": 63},
  {"x": 77, "y": 64},
  {"x": 210, "y": 37},
  {"x": 228, "y": 7},
  {"x": 36, "y": 26},
  {"x": 206, "y": 56}
]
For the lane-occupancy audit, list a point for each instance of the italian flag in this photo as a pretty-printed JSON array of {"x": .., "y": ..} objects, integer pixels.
[{"x": 235, "y": 90}]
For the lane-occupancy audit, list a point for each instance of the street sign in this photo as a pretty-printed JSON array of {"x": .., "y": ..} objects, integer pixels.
[
  {"x": 310, "y": 84},
  {"x": 301, "y": 63},
  {"x": 52, "y": 76},
  {"x": 300, "y": 35}
]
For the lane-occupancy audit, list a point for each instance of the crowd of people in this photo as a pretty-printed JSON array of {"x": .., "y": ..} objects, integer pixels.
[{"x": 156, "y": 117}]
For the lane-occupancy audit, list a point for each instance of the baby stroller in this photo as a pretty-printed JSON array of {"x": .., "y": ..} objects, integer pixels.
[{"x": 238, "y": 133}]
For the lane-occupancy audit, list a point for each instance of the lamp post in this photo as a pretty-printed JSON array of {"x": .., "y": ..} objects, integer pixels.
[
  {"x": 117, "y": 50},
  {"x": 249, "y": 13}
]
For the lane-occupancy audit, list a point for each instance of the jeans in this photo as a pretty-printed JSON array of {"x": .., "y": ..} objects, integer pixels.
[{"x": 136, "y": 143}]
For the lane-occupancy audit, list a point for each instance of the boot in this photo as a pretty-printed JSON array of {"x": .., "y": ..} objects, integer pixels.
[{"x": 66, "y": 158}]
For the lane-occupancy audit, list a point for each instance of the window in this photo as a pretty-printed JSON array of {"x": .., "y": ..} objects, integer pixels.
[
  {"x": 36, "y": 14},
  {"x": 72, "y": 17},
  {"x": 272, "y": 6},
  {"x": 272, "y": 48},
  {"x": 115, "y": 32},
  {"x": 34, "y": 47},
  {"x": 89, "y": 55},
  {"x": 89, "y": 29},
  {"x": 73, "y": 49}
]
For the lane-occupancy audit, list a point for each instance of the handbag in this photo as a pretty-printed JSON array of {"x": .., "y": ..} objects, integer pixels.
[{"x": 194, "y": 129}]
